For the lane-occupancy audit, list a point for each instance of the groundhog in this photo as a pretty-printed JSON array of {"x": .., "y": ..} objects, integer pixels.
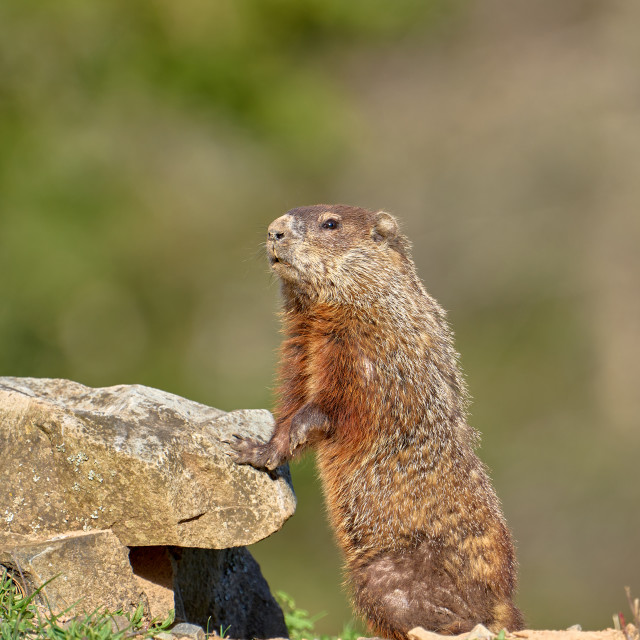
[{"x": 370, "y": 380}]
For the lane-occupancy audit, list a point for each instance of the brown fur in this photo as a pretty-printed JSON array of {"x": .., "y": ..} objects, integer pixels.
[{"x": 370, "y": 380}]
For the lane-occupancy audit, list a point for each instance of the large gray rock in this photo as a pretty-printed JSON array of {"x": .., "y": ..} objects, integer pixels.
[
  {"x": 127, "y": 495},
  {"x": 149, "y": 465}
]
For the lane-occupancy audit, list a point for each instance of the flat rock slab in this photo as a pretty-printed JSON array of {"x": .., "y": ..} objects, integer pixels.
[
  {"x": 150, "y": 466},
  {"x": 573, "y": 633},
  {"x": 569, "y": 634},
  {"x": 76, "y": 567},
  {"x": 479, "y": 632}
]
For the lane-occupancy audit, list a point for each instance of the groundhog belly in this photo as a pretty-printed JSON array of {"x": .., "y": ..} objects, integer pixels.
[{"x": 370, "y": 508}]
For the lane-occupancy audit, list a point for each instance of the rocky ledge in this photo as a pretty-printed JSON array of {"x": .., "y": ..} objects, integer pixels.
[{"x": 127, "y": 495}]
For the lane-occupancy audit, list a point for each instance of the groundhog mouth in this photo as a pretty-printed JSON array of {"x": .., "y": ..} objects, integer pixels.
[{"x": 274, "y": 259}]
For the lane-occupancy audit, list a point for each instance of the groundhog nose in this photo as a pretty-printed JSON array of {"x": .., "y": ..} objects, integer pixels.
[{"x": 278, "y": 228}]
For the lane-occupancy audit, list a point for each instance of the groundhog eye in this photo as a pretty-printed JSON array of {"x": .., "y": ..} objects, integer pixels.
[{"x": 330, "y": 224}]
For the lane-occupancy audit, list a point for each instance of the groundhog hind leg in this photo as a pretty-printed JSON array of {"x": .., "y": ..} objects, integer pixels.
[
  {"x": 506, "y": 616},
  {"x": 399, "y": 591}
]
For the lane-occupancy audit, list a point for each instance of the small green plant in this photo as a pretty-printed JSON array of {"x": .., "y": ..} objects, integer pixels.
[
  {"x": 299, "y": 623},
  {"x": 20, "y": 617},
  {"x": 17, "y": 613}
]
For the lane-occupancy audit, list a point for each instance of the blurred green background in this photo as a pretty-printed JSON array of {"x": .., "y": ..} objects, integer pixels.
[{"x": 145, "y": 147}]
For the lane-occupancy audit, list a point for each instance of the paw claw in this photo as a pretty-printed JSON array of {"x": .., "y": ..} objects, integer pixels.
[{"x": 248, "y": 451}]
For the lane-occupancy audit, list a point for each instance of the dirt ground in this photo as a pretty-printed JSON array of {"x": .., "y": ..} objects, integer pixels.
[
  {"x": 607, "y": 634},
  {"x": 630, "y": 633}
]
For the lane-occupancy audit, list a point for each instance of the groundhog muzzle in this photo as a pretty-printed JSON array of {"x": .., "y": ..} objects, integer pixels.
[{"x": 370, "y": 380}]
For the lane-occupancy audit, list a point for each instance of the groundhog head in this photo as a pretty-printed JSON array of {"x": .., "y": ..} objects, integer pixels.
[{"x": 337, "y": 253}]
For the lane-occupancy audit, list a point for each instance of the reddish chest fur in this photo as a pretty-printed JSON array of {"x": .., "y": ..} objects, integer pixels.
[
  {"x": 329, "y": 359},
  {"x": 324, "y": 361}
]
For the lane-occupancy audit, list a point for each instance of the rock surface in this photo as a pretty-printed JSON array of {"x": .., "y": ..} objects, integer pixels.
[
  {"x": 479, "y": 632},
  {"x": 572, "y": 633},
  {"x": 144, "y": 463},
  {"x": 538, "y": 634},
  {"x": 128, "y": 495},
  {"x": 226, "y": 585},
  {"x": 186, "y": 630},
  {"x": 78, "y": 567}
]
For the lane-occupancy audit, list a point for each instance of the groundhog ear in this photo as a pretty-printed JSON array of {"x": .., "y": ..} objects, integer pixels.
[{"x": 385, "y": 227}]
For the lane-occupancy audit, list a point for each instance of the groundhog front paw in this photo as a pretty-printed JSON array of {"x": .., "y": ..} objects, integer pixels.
[{"x": 258, "y": 454}]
